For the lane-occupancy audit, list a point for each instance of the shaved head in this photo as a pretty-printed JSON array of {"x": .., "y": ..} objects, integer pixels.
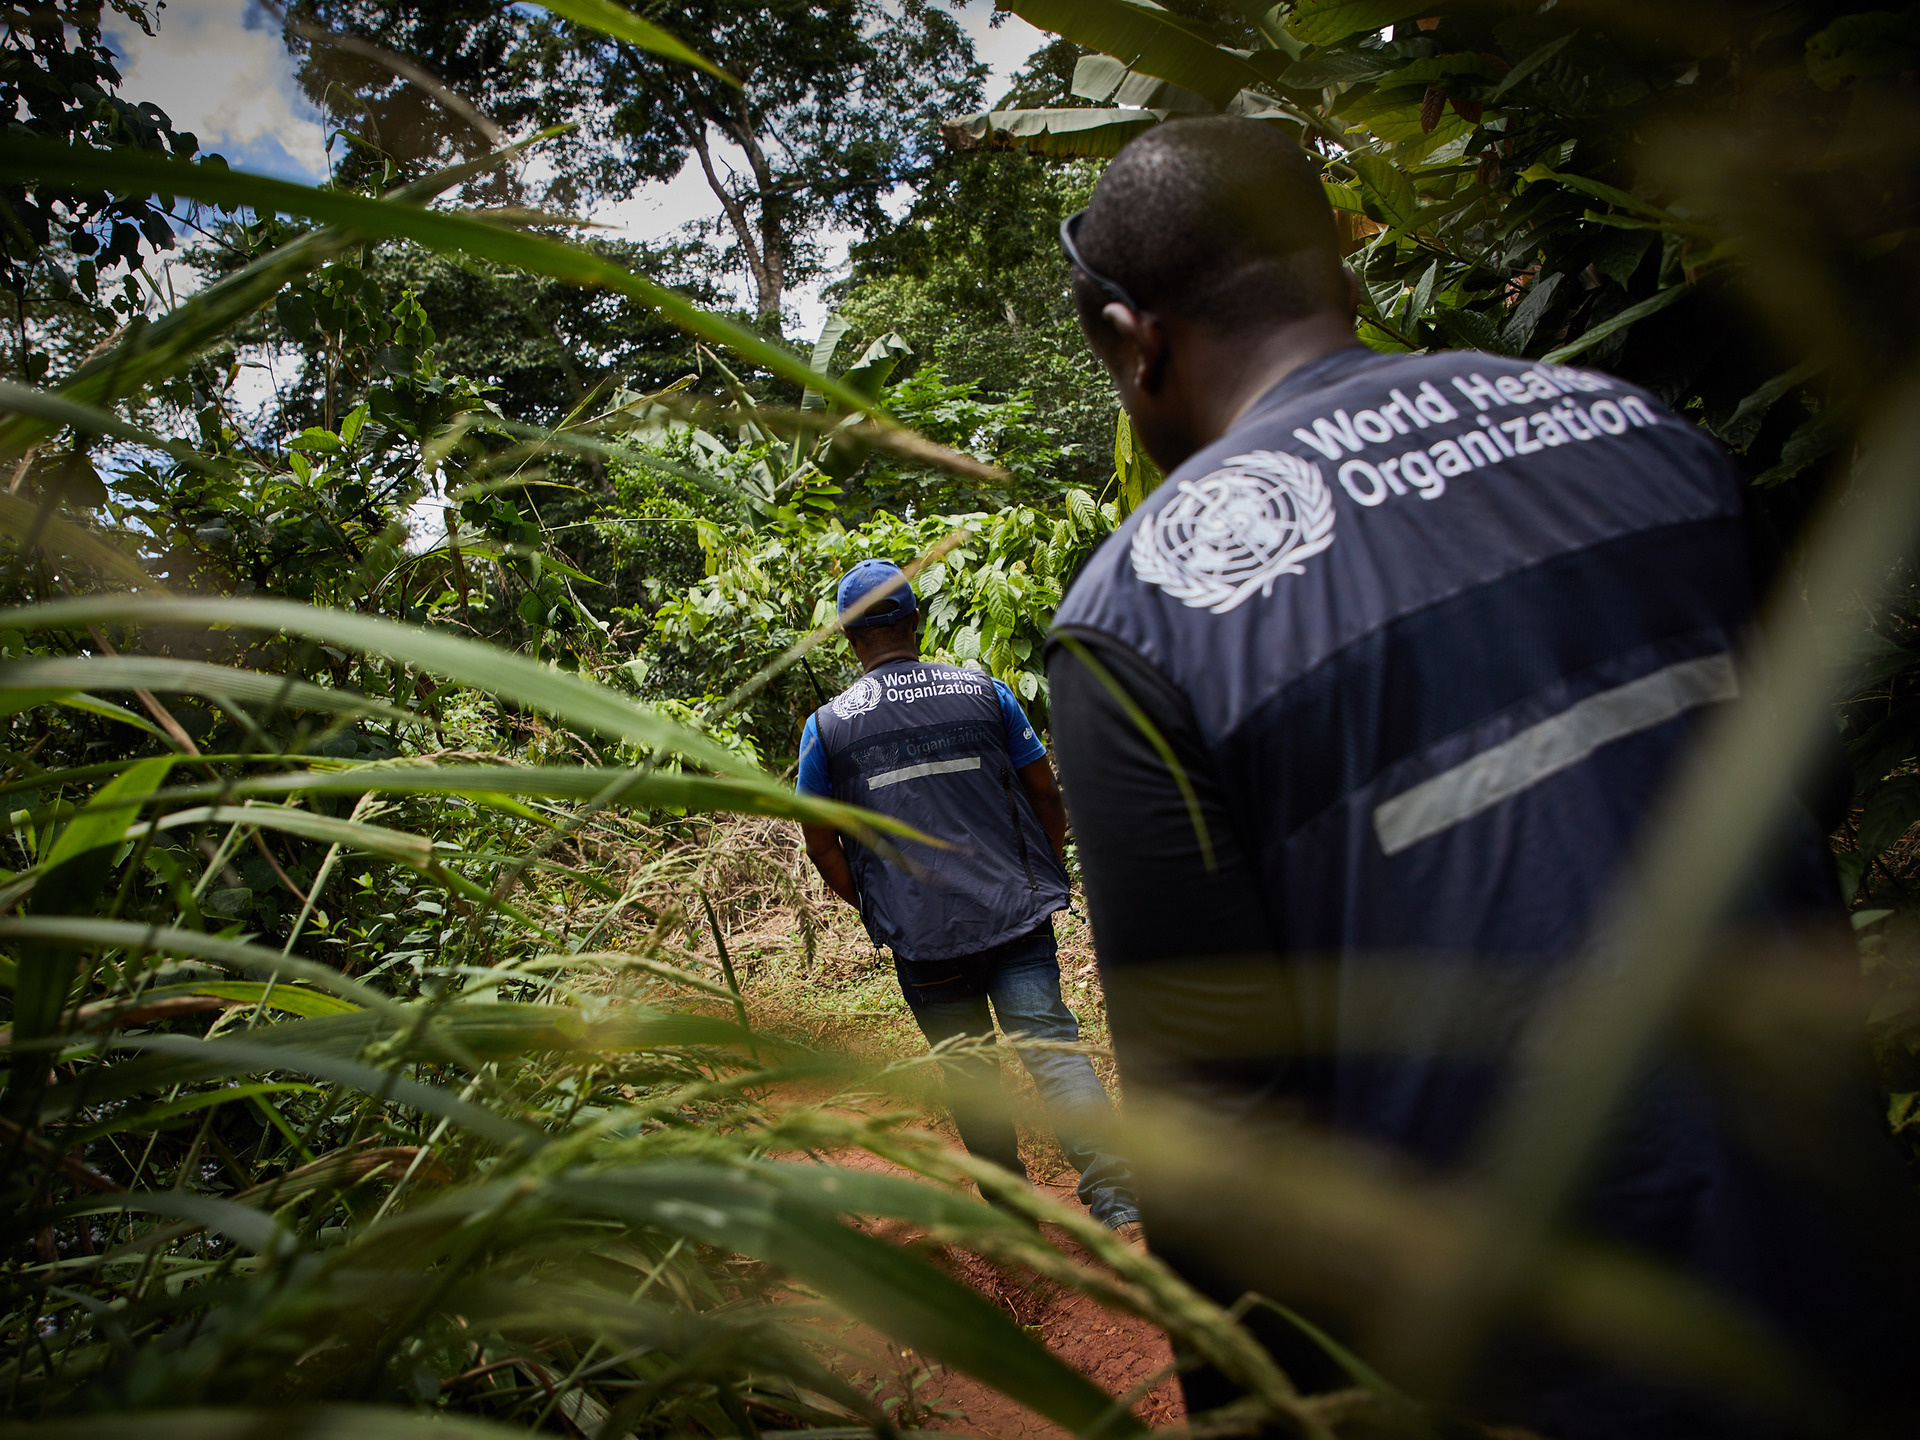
[{"x": 1219, "y": 220}]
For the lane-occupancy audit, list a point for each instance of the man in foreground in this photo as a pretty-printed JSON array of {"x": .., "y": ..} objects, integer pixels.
[
  {"x": 950, "y": 752},
  {"x": 1423, "y": 636}
]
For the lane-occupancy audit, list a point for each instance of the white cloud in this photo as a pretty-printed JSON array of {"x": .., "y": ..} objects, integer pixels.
[{"x": 220, "y": 69}]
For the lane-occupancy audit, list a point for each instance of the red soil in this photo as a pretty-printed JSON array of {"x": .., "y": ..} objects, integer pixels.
[{"x": 1117, "y": 1351}]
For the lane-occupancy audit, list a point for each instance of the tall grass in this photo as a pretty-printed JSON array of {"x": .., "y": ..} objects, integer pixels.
[{"x": 358, "y": 1078}]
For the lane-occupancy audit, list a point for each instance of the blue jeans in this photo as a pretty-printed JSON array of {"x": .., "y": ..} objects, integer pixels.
[{"x": 1021, "y": 980}]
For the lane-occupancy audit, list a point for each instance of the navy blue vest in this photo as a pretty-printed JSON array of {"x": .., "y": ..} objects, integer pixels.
[
  {"x": 927, "y": 744},
  {"x": 1444, "y": 621}
]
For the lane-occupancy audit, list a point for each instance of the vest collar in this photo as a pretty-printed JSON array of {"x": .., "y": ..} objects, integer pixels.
[{"x": 1316, "y": 374}]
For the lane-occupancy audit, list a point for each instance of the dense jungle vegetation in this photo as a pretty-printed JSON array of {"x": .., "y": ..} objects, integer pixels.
[{"x": 408, "y": 989}]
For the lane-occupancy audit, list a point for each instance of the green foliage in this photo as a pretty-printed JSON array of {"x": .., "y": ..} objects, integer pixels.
[
  {"x": 359, "y": 1064},
  {"x": 832, "y": 104},
  {"x": 469, "y": 1161},
  {"x": 986, "y": 602},
  {"x": 1478, "y": 164},
  {"x": 58, "y": 242},
  {"x": 972, "y": 279}
]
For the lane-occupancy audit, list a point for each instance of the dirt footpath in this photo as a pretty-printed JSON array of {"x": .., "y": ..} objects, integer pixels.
[{"x": 1117, "y": 1351}]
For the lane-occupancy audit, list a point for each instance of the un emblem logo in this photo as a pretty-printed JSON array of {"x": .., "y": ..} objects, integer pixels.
[
  {"x": 1236, "y": 531},
  {"x": 858, "y": 698}
]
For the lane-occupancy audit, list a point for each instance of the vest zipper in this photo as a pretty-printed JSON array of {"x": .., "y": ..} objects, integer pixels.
[{"x": 1013, "y": 814}]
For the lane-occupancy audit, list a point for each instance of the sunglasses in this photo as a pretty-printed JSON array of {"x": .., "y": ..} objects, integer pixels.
[{"x": 1108, "y": 287}]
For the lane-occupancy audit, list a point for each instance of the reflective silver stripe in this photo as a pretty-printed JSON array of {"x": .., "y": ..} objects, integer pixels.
[
  {"x": 1550, "y": 747},
  {"x": 914, "y": 772}
]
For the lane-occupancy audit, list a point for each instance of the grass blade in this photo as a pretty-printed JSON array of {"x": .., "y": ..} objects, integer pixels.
[
  {"x": 887, "y": 1287},
  {"x": 28, "y": 523},
  {"x": 221, "y": 1056},
  {"x": 567, "y": 698},
  {"x": 218, "y": 950},
  {"x": 150, "y": 352},
  {"x": 64, "y": 411},
  {"x": 69, "y": 674},
  {"x": 131, "y": 172},
  {"x": 560, "y": 782},
  {"x": 255, "y": 1229},
  {"x": 306, "y": 1422},
  {"x": 623, "y": 24},
  {"x": 104, "y": 820}
]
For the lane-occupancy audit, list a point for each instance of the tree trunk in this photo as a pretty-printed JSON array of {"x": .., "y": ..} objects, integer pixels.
[
  {"x": 761, "y": 244},
  {"x": 773, "y": 246}
]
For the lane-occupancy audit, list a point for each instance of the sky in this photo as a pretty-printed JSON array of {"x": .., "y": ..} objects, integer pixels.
[{"x": 219, "y": 69}]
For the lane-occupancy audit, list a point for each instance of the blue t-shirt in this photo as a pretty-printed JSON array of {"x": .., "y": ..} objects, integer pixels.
[{"x": 1022, "y": 745}]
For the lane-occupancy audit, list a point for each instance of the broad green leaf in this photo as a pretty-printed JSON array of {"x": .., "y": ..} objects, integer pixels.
[
  {"x": 1139, "y": 477},
  {"x": 1091, "y": 134},
  {"x": 68, "y": 877},
  {"x": 484, "y": 549},
  {"x": 566, "y": 697},
  {"x": 821, "y": 361},
  {"x": 128, "y": 171},
  {"x": 1530, "y": 64},
  {"x": 1390, "y": 188},
  {"x": 1339, "y": 67},
  {"x": 1149, "y": 92},
  {"x": 1814, "y": 438},
  {"x": 1599, "y": 190},
  {"x": 876, "y": 363},
  {"x": 1325, "y": 22},
  {"x": 1096, "y": 77},
  {"x": 623, "y": 24},
  {"x": 1526, "y": 316},
  {"x": 1877, "y": 43},
  {"x": 1617, "y": 323},
  {"x": 1744, "y": 424},
  {"x": 1145, "y": 38},
  {"x": 107, "y": 815},
  {"x": 1423, "y": 292},
  {"x": 1344, "y": 197},
  {"x": 69, "y": 673},
  {"x": 1436, "y": 70}
]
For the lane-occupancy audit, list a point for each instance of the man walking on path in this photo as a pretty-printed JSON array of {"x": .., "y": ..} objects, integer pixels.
[
  {"x": 950, "y": 752},
  {"x": 1425, "y": 634}
]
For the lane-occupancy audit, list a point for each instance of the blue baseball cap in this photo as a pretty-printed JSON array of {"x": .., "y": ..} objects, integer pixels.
[{"x": 869, "y": 575}]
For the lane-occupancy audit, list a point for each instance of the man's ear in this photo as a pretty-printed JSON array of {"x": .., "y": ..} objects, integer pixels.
[{"x": 1140, "y": 357}]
